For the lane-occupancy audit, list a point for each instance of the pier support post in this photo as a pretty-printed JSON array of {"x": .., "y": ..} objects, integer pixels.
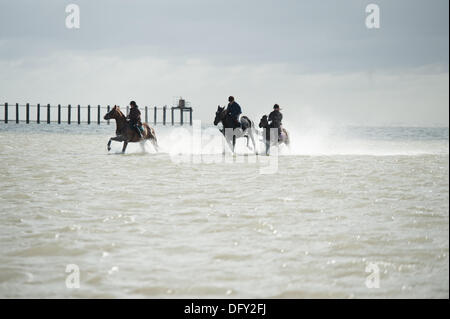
[
  {"x": 146, "y": 114},
  {"x": 27, "y": 113},
  {"x": 6, "y": 112},
  {"x": 164, "y": 114},
  {"x": 48, "y": 113}
]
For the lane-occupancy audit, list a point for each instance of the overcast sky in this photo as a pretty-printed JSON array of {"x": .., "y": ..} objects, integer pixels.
[{"x": 316, "y": 59}]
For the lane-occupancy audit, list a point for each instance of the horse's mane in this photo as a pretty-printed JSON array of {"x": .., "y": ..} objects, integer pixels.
[
  {"x": 120, "y": 112},
  {"x": 224, "y": 110}
]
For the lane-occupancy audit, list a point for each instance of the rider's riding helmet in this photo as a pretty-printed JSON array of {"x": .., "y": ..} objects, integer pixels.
[
  {"x": 132, "y": 103},
  {"x": 276, "y": 107}
]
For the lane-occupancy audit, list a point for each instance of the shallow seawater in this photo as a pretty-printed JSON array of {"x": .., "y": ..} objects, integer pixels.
[{"x": 200, "y": 224}]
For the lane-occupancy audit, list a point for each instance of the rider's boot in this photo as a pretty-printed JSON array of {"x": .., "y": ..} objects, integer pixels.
[{"x": 138, "y": 131}]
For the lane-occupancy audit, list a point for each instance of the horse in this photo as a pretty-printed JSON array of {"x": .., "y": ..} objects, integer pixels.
[
  {"x": 126, "y": 134},
  {"x": 228, "y": 122},
  {"x": 282, "y": 139}
]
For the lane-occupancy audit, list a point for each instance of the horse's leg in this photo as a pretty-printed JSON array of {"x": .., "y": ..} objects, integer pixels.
[
  {"x": 267, "y": 139},
  {"x": 230, "y": 145},
  {"x": 234, "y": 142},
  {"x": 248, "y": 144},
  {"x": 253, "y": 140},
  {"x": 125, "y": 143},
  {"x": 115, "y": 138},
  {"x": 155, "y": 144}
]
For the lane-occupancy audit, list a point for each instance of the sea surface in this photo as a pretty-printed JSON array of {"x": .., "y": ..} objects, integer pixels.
[{"x": 350, "y": 212}]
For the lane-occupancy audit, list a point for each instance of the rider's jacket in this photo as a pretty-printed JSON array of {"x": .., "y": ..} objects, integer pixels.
[
  {"x": 275, "y": 118},
  {"x": 234, "y": 109},
  {"x": 135, "y": 116}
]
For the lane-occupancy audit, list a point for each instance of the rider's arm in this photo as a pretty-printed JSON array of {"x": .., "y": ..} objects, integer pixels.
[{"x": 238, "y": 109}]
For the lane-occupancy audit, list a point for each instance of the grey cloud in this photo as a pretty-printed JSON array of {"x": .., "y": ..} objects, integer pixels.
[{"x": 318, "y": 36}]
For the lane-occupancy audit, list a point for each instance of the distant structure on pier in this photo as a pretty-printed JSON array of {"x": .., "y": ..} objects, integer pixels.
[{"x": 183, "y": 106}]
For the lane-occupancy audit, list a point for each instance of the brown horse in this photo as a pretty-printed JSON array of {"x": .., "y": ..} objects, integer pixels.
[
  {"x": 126, "y": 134},
  {"x": 283, "y": 138}
]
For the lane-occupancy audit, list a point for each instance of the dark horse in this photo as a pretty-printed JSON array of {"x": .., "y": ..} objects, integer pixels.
[
  {"x": 228, "y": 123},
  {"x": 126, "y": 134},
  {"x": 283, "y": 138}
]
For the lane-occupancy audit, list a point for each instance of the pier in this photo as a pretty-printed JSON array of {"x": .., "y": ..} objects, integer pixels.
[{"x": 90, "y": 114}]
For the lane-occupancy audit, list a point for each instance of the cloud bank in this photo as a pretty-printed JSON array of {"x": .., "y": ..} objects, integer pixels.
[{"x": 413, "y": 96}]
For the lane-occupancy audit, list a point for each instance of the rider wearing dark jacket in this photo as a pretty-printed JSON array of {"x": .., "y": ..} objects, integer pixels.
[
  {"x": 234, "y": 110},
  {"x": 275, "y": 118},
  {"x": 135, "y": 118}
]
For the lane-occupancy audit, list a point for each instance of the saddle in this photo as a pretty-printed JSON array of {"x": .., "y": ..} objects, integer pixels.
[{"x": 137, "y": 126}]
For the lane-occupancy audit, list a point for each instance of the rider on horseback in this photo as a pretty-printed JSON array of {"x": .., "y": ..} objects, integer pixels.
[
  {"x": 275, "y": 118},
  {"x": 135, "y": 118},
  {"x": 234, "y": 110}
]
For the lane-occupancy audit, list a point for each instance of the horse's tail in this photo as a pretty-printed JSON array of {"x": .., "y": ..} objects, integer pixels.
[
  {"x": 250, "y": 123},
  {"x": 150, "y": 132},
  {"x": 287, "y": 141}
]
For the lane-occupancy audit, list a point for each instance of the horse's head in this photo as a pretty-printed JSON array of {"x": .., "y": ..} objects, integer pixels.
[
  {"x": 263, "y": 122},
  {"x": 113, "y": 114},
  {"x": 220, "y": 115}
]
